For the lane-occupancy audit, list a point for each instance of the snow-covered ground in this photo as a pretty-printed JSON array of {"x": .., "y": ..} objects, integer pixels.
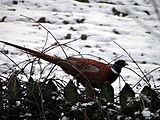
[{"x": 133, "y": 24}]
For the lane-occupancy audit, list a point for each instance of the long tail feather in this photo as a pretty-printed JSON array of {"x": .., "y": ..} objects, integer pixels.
[{"x": 51, "y": 59}]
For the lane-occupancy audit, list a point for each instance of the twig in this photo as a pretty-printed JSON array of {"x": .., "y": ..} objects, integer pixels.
[
  {"x": 65, "y": 44},
  {"x": 75, "y": 50},
  {"x": 135, "y": 73},
  {"x": 134, "y": 62},
  {"x": 43, "y": 48},
  {"x": 50, "y": 71},
  {"x": 122, "y": 79},
  {"x": 48, "y": 32},
  {"x": 74, "y": 40},
  {"x": 145, "y": 75},
  {"x": 116, "y": 58},
  {"x": 156, "y": 8},
  {"x": 97, "y": 57},
  {"x": 21, "y": 69}
]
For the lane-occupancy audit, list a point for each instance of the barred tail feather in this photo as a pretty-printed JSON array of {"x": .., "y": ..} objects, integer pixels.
[{"x": 51, "y": 59}]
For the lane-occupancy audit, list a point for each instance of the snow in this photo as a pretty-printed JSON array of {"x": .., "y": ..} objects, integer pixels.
[
  {"x": 138, "y": 32},
  {"x": 147, "y": 114}
]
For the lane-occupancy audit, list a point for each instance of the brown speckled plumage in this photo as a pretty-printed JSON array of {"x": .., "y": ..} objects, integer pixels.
[{"x": 82, "y": 69}]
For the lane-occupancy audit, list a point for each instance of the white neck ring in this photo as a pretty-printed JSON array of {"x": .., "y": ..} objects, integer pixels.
[{"x": 114, "y": 71}]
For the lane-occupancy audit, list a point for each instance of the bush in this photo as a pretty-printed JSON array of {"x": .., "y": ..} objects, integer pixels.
[{"x": 52, "y": 100}]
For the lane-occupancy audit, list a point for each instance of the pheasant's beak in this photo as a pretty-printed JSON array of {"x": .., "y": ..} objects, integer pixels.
[{"x": 126, "y": 64}]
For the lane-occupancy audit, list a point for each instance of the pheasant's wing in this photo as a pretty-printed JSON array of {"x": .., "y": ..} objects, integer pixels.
[
  {"x": 84, "y": 65},
  {"x": 95, "y": 71}
]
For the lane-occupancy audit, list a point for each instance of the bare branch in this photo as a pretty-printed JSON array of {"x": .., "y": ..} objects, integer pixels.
[
  {"x": 48, "y": 32},
  {"x": 146, "y": 79}
]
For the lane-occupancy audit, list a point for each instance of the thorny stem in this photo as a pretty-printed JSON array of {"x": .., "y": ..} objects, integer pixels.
[
  {"x": 117, "y": 58},
  {"x": 50, "y": 47},
  {"x": 50, "y": 71},
  {"x": 21, "y": 69},
  {"x": 135, "y": 73},
  {"x": 48, "y": 32},
  {"x": 146, "y": 79},
  {"x": 145, "y": 75},
  {"x": 64, "y": 44},
  {"x": 75, "y": 50}
]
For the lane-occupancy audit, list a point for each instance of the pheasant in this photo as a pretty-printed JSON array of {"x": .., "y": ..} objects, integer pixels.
[{"x": 80, "y": 68}]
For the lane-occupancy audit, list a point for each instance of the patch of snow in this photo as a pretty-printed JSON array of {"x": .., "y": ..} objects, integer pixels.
[{"x": 146, "y": 113}]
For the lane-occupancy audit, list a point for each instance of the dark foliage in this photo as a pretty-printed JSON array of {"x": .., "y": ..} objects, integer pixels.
[{"x": 33, "y": 100}]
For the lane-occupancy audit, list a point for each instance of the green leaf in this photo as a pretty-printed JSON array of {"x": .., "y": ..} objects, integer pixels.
[
  {"x": 13, "y": 87},
  {"x": 127, "y": 103},
  {"x": 150, "y": 99},
  {"x": 70, "y": 92},
  {"x": 149, "y": 92},
  {"x": 49, "y": 90},
  {"x": 108, "y": 92},
  {"x": 125, "y": 95},
  {"x": 30, "y": 86},
  {"x": 89, "y": 90}
]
